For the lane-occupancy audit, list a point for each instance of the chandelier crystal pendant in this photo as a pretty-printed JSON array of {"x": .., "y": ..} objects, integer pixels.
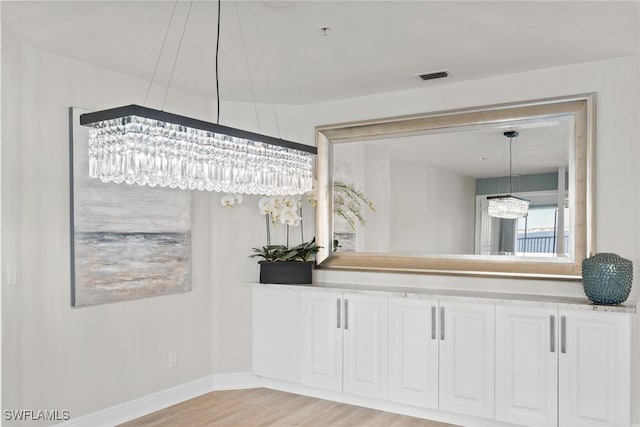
[
  {"x": 508, "y": 206},
  {"x": 140, "y": 145}
]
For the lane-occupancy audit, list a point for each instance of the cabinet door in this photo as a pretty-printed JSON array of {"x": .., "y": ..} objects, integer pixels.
[
  {"x": 366, "y": 345},
  {"x": 322, "y": 339},
  {"x": 527, "y": 365},
  {"x": 277, "y": 333},
  {"x": 467, "y": 358},
  {"x": 595, "y": 369},
  {"x": 413, "y": 351}
]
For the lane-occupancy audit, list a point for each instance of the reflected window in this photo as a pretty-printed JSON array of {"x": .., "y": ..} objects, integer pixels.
[{"x": 538, "y": 232}]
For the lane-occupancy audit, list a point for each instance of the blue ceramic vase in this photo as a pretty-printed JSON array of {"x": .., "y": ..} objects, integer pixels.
[{"x": 607, "y": 278}]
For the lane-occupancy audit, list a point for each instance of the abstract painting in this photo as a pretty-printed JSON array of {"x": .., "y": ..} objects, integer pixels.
[{"x": 127, "y": 241}]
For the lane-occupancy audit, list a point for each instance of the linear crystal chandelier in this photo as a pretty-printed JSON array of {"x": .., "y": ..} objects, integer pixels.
[
  {"x": 508, "y": 206},
  {"x": 140, "y": 145},
  {"x": 134, "y": 144}
]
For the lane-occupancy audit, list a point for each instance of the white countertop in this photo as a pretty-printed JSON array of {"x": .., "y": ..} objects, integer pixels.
[{"x": 572, "y": 303}]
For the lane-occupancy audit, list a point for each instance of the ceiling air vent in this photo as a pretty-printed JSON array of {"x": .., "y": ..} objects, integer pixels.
[{"x": 434, "y": 75}]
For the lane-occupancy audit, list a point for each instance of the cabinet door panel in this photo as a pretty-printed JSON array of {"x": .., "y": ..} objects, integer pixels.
[
  {"x": 365, "y": 345},
  {"x": 277, "y": 333},
  {"x": 413, "y": 352},
  {"x": 527, "y": 365},
  {"x": 467, "y": 359},
  {"x": 595, "y": 368},
  {"x": 323, "y": 340}
]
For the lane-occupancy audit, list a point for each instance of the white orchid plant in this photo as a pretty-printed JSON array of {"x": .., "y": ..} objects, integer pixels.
[
  {"x": 348, "y": 203},
  {"x": 282, "y": 209}
]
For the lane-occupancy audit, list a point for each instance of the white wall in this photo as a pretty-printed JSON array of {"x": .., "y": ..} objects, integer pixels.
[
  {"x": 617, "y": 85},
  {"x": 432, "y": 210},
  {"x": 81, "y": 359}
]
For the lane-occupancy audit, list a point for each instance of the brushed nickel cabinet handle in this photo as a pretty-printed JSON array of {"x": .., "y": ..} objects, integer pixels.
[
  {"x": 338, "y": 312},
  {"x": 346, "y": 314},
  {"x": 563, "y": 334},
  {"x": 433, "y": 322},
  {"x": 552, "y": 333},
  {"x": 442, "y": 323}
]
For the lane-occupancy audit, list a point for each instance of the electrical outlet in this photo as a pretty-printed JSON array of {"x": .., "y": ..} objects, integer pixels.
[
  {"x": 173, "y": 359},
  {"x": 11, "y": 275}
]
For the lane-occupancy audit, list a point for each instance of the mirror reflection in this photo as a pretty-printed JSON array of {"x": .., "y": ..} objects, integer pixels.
[{"x": 432, "y": 191}]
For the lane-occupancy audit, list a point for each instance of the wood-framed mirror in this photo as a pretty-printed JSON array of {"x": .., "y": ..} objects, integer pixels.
[{"x": 431, "y": 177}]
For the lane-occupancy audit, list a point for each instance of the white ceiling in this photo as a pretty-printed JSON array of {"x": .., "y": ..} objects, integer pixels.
[{"x": 373, "y": 46}]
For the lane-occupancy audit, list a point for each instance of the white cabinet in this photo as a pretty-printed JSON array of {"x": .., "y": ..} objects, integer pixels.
[
  {"x": 277, "y": 333},
  {"x": 527, "y": 365},
  {"x": 467, "y": 358},
  {"x": 365, "y": 345},
  {"x": 322, "y": 346},
  {"x": 594, "y": 369},
  {"x": 345, "y": 343},
  {"x": 413, "y": 351},
  {"x": 562, "y": 367}
]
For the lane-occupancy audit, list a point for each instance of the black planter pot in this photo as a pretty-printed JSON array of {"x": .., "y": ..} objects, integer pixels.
[{"x": 286, "y": 272}]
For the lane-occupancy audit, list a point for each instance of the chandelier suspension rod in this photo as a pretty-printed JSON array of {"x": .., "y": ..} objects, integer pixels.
[
  {"x": 175, "y": 61},
  {"x": 164, "y": 41},
  {"x": 246, "y": 61},
  {"x": 510, "y": 165},
  {"x": 266, "y": 71},
  {"x": 217, "y": 74}
]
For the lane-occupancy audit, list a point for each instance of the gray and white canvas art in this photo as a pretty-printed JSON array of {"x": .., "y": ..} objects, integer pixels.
[{"x": 127, "y": 241}]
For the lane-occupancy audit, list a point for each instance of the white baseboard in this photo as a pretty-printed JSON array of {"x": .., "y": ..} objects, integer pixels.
[
  {"x": 133, "y": 409},
  {"x": 235, "y": 381},
  {"x": 383, "y": 405}
]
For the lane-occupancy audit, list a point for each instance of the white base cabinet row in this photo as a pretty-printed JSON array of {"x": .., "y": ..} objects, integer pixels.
[{"x": 516, "y": 364}]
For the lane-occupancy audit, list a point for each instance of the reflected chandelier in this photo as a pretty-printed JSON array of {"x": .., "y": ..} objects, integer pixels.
[
  {"x": 508, "y": 206},
  {"x": 140, "y": 145}
]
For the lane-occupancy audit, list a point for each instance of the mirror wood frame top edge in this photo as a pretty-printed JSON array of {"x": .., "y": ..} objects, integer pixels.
[{"x": 582, "y": 106}]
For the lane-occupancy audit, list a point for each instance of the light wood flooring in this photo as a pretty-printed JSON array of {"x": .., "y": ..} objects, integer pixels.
[{"x": 264, "y": 407}]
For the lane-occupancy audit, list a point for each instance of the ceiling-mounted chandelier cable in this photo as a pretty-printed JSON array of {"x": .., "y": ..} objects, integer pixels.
[
  {"x": 217, "y": 74},
  {"x": 175, "y": 60},
  {"x": 164, "y": 41},
  {"x": 140, "y": 145},
  {"x": 266, "y": 71},
  {"x": 246, "y": 61},
  {"x": 511, "y": 135},
  {"x": 508, "y": 206}
]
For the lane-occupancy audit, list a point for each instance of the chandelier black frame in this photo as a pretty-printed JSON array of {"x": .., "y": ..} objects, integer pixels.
[{"x": 95, "y": 117}]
